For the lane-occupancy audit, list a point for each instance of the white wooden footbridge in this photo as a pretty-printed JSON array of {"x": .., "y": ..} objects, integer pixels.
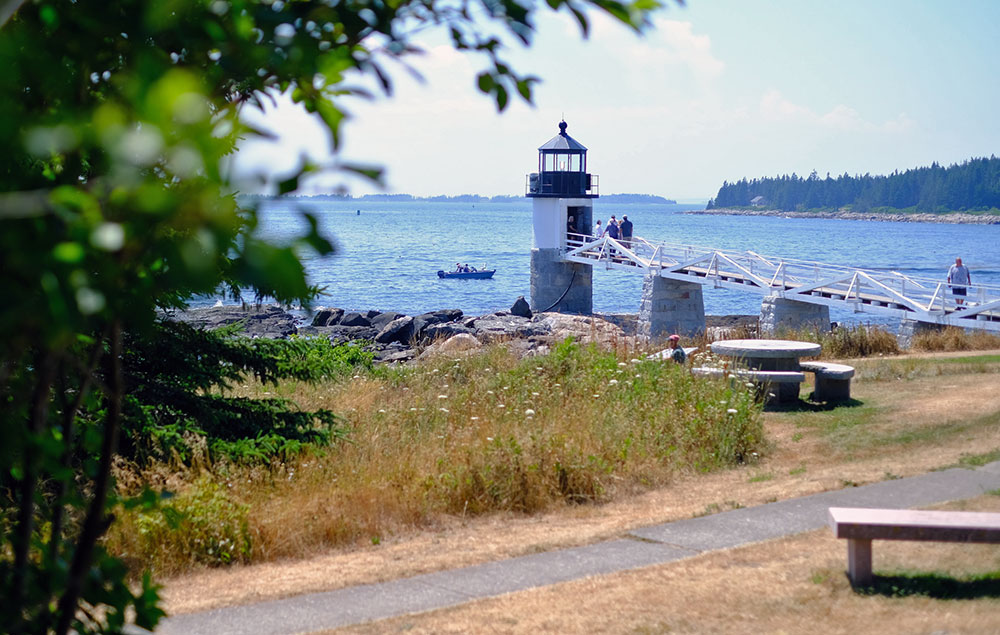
[{"x": 887, "y": 293}]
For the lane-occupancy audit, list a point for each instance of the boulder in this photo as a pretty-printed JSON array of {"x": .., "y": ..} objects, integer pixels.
[
  {"x": 456, "y": 344},
  {"x": 424, "y": 320},
  {"x": 381, "y": 319},
  {"x": 268, "y": 321},
  {"x": 583, "y": 328},
  {"x": 521, "y": 308},
  {"x": 341, "y": 333},
  {"x": 394, "y": 353},
  {"x": 436, "y": 332},
  {"x": 502, "y": 325},
  {"x": 355, "y": 319},
  {"x": 327, "y": 317},
  {"x": 399, "y": 330}
]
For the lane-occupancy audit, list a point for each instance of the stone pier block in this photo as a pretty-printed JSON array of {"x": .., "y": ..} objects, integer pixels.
[
  {"x": 777, "y": 314},
  {"x": 670, "y": 306},
  {"x": 910, "y": 328},
  {"x": 566, "y": 287}
]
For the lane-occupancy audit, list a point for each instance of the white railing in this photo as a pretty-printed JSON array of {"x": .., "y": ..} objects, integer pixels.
[{"x": 863, "y": 290}]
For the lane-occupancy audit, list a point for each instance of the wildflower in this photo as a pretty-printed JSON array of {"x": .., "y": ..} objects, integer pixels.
[
  {"x": 539, "y": 368},
  {"x": 442, "y": 396},
  {"x": 489, "y": 438},
  {"x": 434, "y": 371},
  {"x": 357, "y": 377},
  {"x": 381, "y": 410},
  {"x": 613, "y": 382},
  {"x": 534, "y": 394},
  {"x": 405, "y": 388},
  {"x": 489, "y": 392},
  {"x": 634, "y": 360},
  {"x": 622, "y": 364},
  {"x": 413, "y": 409},
  {"x": 500, "y": 405},
  {"x": 596, "y": 396},
  {"x": 444, "y": 410},
  {"x": 474, "y": 418},
  {"x": 732, "y": 411},
  {"x": 529, "y": 413},
  {"x": 557, "y": 385},
  {"x": 638, "y": 376}
]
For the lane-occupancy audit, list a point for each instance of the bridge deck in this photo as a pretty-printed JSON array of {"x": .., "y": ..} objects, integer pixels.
[{"x": 861, "y": 290}]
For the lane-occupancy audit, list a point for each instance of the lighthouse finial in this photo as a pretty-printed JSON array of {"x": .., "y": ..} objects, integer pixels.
[{"x": 562, "y": 128}]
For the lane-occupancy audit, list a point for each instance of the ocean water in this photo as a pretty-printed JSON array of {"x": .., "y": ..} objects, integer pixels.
[{"x": 388, "y": 254}]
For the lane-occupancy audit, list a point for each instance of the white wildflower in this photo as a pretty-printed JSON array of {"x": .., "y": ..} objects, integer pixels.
[
  {"x": 444, "y": 410},
  {"x": 732, "y": 411},
  {"x": 529, "y": 413},
  {"x": 613, "y": 382}
]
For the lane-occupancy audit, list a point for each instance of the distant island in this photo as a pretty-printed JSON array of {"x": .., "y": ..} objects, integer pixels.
[
  {"x": 621, "y": 199},
  {"x": 972, "y": 188}
]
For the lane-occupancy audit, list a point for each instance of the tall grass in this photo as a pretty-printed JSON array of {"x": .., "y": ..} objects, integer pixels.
[
  {"x": 955, "y": 339},
  {"x": 477, "y": 435},
  {"x": 846, "y": 342}
]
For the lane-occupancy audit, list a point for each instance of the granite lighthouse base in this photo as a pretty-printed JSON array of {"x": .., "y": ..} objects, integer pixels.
[{"x": 566, "y": 287}]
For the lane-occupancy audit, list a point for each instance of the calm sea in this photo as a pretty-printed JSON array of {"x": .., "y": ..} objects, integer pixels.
[{"x": 388, "y": 253}]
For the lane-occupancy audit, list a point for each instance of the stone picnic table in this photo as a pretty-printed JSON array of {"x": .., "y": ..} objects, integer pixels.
[{"x": 778, "y": 356}]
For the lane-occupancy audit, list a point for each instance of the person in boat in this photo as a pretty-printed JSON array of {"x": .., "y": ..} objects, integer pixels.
[
  {"x": 458, "y": 267},
  {"x": 471, "y": 268}
]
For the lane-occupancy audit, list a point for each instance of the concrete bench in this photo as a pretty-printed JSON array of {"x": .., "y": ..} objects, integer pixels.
[
  {"x": 760, "y": 376},
  {"x": 860, "y": 526},
  {"x": 833, "y": 381}
]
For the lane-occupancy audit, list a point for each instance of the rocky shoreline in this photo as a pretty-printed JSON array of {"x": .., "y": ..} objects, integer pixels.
[
  {"x": 955, "y": 218},
  {"x": 399, "y": 338}
]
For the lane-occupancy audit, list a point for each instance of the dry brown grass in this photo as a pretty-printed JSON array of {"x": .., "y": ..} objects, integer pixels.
[
  {"x": 805, "y": 459},
  {"x": 955, "y": 339}
]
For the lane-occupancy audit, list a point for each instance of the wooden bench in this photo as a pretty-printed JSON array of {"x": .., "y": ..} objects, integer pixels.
[
  {"x": 833, "y": 381},
  {"x": 861, "y": 525}
]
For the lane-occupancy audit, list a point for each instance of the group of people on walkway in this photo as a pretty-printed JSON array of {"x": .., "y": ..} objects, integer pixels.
[{"x": 619, "y": 230}]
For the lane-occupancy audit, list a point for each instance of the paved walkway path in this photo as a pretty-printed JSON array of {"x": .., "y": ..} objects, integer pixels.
[{"x": 639, "y": 548}]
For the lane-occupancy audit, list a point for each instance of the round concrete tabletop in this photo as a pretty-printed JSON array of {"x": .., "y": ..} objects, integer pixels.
[{"x": 765, "y": 348}]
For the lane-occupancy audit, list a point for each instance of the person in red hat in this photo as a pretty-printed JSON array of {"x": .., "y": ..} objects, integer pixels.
[{"x": 676, "y": 352}]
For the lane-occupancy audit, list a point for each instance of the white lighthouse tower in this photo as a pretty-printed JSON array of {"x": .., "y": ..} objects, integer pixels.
[{"x": 562, "y": 194}]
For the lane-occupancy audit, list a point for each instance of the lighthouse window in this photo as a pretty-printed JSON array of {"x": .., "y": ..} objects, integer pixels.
[{"x": 574, "y": 163}]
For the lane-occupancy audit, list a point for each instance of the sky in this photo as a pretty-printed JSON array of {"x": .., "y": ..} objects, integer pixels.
[{"x": 717, "y": 91}]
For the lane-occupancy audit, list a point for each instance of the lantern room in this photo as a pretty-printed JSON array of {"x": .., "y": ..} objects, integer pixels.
[{"x": 562, "y": 170}]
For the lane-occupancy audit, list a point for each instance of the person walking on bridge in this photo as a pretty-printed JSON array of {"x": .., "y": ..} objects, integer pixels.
[
  {"x": 625, "y": 227},
  {"x": 960, "y": 279}
]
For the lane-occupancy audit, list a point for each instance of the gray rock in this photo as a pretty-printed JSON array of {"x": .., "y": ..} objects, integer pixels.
[
  {"x": 424, "y": 320},
  {"x": 504, "y": 325},
  {"x": 436, "y": 332},
  {"x": 267, "y": 321},
  {"x": 399, "y": 330},
  {"x": 327, "y": 317},
  {"x": 341, "y": 333},
  {"x": 521, "y": 308},
  {"x": 381, "y": 319},
  {"x": 355, "y": 319}
]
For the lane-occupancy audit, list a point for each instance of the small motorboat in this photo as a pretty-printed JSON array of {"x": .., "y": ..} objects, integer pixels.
[{"x": 469, "y": 275}]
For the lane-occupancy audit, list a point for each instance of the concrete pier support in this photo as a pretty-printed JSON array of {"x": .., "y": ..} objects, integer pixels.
[
  {"x": 778, "y": 313},
  {"x": 566, "y": 287},
  {"x": 670, "y": 306},
  {"x": 909, "y": 328}
]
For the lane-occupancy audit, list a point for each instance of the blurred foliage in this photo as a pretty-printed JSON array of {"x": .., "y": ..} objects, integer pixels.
[{"x": 115, "y": 120}]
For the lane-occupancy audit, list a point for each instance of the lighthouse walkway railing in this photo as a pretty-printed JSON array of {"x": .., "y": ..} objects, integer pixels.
[{"x": 888, "y": 293}]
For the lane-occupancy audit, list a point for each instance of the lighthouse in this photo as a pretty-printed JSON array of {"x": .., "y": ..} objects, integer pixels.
[{"x": 562, "y": 193}]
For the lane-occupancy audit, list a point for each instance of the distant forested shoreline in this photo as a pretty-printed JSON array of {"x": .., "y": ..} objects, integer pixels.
[
  {"x": 647, "y": 199},
  {"x": 972, "y": 186}
]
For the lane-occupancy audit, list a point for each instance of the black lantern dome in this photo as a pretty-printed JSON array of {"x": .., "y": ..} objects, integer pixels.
[{"x": 562, "y": 169}]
